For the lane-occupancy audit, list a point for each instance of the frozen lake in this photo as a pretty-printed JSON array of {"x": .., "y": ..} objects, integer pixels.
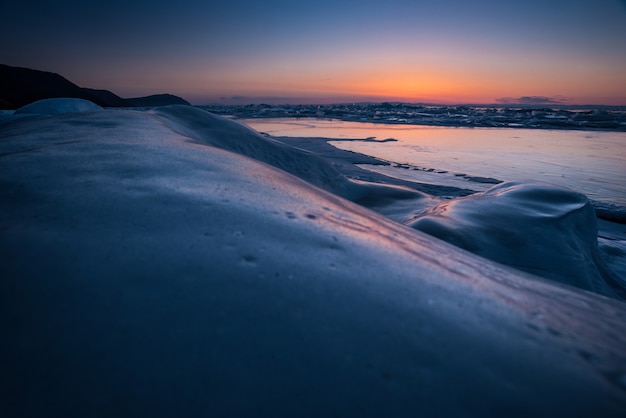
[{"x": 591, "y": 162}]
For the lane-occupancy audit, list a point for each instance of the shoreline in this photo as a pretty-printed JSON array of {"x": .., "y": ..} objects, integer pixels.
[{"x": 347, "y": 162}]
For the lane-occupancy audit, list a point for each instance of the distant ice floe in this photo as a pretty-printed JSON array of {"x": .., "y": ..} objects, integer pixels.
[
  {"x": 159, "y": 264},
  {"x": 58, "y": 106},
  {"x": 509, "y": 115}
]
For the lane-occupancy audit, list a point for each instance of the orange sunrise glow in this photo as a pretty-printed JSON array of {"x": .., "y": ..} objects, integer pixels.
[{"x": 323, "y": 52}]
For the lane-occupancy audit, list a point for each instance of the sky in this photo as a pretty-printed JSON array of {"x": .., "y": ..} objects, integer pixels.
[{"x": 328, "y": 51}]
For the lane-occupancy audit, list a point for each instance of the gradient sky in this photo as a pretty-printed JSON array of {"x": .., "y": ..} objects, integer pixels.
[{"x": 324, "y": 51}]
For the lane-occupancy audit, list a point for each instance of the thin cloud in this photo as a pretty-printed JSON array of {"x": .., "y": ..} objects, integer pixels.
[
  {"x": 530, "y": 100},
  {"x": 236, "y": 98}
]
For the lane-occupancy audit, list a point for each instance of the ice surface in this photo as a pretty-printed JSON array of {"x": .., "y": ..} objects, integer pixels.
[
  {"x": 58, "y": 106},
  {"x": 587, "y": 161},
  {"x": 148, "y": 272}
]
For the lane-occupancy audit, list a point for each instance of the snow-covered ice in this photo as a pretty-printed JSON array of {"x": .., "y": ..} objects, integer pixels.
[
  {"x": 536, "y": 227},
  {"x": 57, "y": 106},
  {"x": 158, "y": 263}
]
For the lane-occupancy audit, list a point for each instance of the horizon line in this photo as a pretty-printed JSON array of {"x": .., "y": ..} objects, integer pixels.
[{"x": 418, "y": 103}]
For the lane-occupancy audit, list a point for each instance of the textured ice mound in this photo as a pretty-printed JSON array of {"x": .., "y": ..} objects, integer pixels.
[
  {"x": 536, "y": 227},
  {"x": 209, "y": 129},
  {"x": 58, "y": 107}
]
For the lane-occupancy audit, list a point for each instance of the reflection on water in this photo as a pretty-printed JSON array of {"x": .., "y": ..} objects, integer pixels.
[{"x": 590, "y": 162}]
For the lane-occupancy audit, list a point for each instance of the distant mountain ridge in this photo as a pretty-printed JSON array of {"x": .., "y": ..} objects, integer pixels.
[
  {"x": 157, "y": 100},
  {"x": 21, "y": 86}
]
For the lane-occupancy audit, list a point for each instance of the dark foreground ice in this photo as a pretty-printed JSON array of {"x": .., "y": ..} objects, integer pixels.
[{"x": 157, "y": 263}]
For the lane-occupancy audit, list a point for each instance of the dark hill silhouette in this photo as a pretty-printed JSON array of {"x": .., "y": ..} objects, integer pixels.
[
  {"x": 157, "y": 100},
  {"x": 105, "y": 96},
  {"x": 21, "y": 86}
]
